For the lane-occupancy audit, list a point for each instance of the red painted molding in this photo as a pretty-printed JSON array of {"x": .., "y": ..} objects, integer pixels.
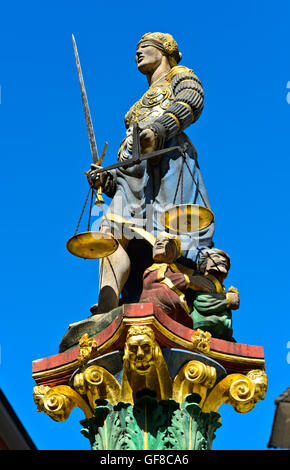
[{"x": 175, "y": 329}]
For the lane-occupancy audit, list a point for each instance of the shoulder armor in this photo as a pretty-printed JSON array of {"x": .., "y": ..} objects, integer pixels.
[
  {"x": 127, "y": 119},
  {"x": 178, "y": 69}
]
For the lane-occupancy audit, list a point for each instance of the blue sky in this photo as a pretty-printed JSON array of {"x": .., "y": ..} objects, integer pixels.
[{"x": 240, "y": 51}]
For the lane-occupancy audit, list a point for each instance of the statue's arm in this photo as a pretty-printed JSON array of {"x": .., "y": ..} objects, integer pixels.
[
  {"x": 200, "y": 283},
  {"x": 228, "y": 299},
  {"x": 206, "y": 302},
  {"x": 185, "y": 108}
]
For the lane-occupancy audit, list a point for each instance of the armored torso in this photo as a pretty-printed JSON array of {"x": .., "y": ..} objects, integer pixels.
[
  {"x": 172, "y": 103},
  {"x": 152, "y": 104}
]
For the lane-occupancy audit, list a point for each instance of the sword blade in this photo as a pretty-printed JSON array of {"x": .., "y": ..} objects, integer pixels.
[
  {"x": 89, "y": 123},
  {"x": 134, "y": 160}
]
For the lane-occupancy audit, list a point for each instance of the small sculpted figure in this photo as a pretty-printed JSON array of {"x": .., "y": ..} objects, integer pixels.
[
  {"x": 173, "y": 102},
  {"x": 212, "y": 311},
  {"x": 144, "y": 366},
  {"x": 165, "y": 283}
]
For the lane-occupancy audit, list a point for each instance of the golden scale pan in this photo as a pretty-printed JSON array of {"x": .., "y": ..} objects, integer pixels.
[
  {"x": 92, "y": 245},
  {"x": 183, "y": 218},
  {"x": 187, "y": 218}
]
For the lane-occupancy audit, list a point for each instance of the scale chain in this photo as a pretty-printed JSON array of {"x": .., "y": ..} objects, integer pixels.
[{"x": 76, "y": 231}]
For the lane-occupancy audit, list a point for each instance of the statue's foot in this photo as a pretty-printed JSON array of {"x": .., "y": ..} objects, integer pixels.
[
  {"x": 98, "y": 309},
  {"x": 94, "y": 309},
  {"x": 92, "y": 326},
  {"x": 71, "y": 325},
  {"x": 76, "y": 331}
]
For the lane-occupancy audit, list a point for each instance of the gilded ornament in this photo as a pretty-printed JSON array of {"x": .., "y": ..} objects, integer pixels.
[
  {"x": 87, "y": 347},
  {"x": 58, "y": 402},
  {"x": 201, "y": 340},
  {"x": 39, "y": 392},
  {"x": 240, "y": 391},
  {"x": 152, "y": 104},
  {"x": 144, "y": 365},
  {"x": 97, "y": 383},
  {"x": 259, "y": 379},
  {"x": 193, "y": 377}
]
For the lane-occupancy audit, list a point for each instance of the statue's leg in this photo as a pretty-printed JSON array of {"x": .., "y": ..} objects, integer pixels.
[{"x": 113, "y": 273}]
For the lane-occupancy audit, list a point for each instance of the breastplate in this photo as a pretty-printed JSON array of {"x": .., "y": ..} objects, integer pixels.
[{"x": 152, "y": 104}]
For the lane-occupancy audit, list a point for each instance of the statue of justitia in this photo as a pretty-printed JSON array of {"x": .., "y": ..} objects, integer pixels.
[
  {"x": 140, "y": 193},
  {"x": 144, "y": 367}
]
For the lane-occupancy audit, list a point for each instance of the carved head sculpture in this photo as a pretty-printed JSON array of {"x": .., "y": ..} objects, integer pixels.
[
  {"x": 215, "y": 262},
  {"x": 260, "y": 380},
  {"x": 141, "y": 350},
  {"x": 167, "y": 248},
  {"x": 39, "y": 392},
  {"x": 257, "y": 388},
  {"x": 152, "y": 47},
  {"x": 144, "y": 365}
]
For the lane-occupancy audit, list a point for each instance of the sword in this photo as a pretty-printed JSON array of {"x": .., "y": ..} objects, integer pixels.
[
  {"x": 93, "y": 146},
  {"x": 89, "y": 123}
]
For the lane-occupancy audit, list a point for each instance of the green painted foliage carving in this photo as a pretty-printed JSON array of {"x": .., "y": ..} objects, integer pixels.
[{"x": 151, "y": 425}]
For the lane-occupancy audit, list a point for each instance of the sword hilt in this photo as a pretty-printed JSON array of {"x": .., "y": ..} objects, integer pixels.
[{"x": 99, "y": 199}]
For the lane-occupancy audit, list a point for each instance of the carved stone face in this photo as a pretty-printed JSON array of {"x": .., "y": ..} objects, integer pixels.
[
  {"x": 148, "y": 58},
  {"x": 217, "y": 263},
  {"x": 164, "y": 250},
  {"x": 140, "y": 353}
]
